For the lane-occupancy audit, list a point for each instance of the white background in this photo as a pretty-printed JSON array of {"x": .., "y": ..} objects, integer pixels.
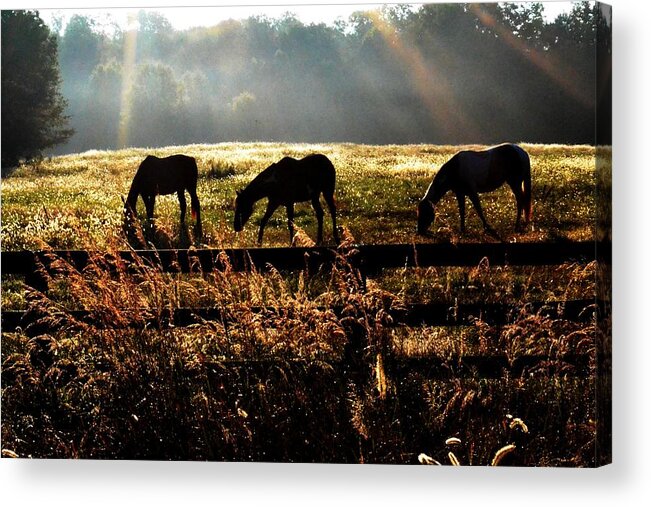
[{"x": 626, "y": 482}]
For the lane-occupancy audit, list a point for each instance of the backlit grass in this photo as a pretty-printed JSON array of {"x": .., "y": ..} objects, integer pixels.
[
  {"x": 299, "y": 383},
  {"x": 74, "y": 201}
]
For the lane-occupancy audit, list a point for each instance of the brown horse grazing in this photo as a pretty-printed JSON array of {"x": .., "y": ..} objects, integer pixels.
[
  {"x": 469, "y": 173},
  {"x": 162, "y": 176},
  {"x": 287, "y": 182}
]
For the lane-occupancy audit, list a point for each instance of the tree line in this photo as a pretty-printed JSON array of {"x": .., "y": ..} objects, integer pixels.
[{"x": 437, "y": 73}]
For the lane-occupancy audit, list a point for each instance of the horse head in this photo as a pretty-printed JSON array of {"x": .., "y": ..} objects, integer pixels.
[
  {"x": 243, "y": 211},
  {"x": 425, "y": 214}
]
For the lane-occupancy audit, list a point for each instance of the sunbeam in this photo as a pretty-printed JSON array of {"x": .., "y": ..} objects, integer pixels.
[
  {"x": 432, "y": 87},
  {"x": 128, "y": 70},
  {"x": 563, "y": 75}
]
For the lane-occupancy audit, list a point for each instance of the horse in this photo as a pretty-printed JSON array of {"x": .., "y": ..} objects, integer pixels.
[
  {"x": 162, "y": 176},
  {"x": 287, "y": 182},
  {"x": 469, "y": 173}
]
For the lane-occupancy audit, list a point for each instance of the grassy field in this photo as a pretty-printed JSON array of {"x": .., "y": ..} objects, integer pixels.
[
  {"x": 298, "y": 384},
  {"x": 75, "y": 201}
]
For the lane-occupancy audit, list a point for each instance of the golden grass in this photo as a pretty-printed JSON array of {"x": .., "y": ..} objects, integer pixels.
[
  {"x": 171, "y": 393},
  {"x": 115, "y": 388},
  {"x": 74, "y": 201}
]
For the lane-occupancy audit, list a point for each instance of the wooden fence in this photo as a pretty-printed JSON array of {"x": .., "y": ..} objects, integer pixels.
[{"x": 369, "y": 259}]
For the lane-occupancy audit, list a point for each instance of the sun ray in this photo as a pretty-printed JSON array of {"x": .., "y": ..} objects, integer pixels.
[
  {"x": 128, "y": 70},
  {"x": 432, "y": 87},
  {"x": 561, "y": 74}
]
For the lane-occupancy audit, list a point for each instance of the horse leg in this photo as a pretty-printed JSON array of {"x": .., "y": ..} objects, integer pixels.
[
  {"x": 290, "y": 221},
  {"x": 319, "y": 218},
  {"x": 196, "y": 212},
  {"x": 474, "y": 198},
  {"x": 461, "y": 201},
  {"x": 271, "y": 207},
  {"x": 519, "y": 199},
  {"x": 330, "y": 201},
  {"x": 149, "y": 205},
  {"x": 182, "y": 204}
]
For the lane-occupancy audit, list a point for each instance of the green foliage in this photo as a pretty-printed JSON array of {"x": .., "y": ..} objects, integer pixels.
[
  {"x": 156, "y": 101},
  {"x": 79, "y": 52},
  {"x": 243, "y": 101},
  {"x": 435, "y": 73},
  {"x": 102, "y": 120},
  {"x": 32, "y": 106}
]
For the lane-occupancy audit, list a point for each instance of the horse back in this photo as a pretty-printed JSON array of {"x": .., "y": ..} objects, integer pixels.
[
  {"x": 487, "y": 170},
  {"x": 160, "y": 176},
  {"x": 302, "y": 180},
  {"x": 319, "y": 169},
  {"x": 514, "y": 162},
  {"x": 510, "y": 155}
]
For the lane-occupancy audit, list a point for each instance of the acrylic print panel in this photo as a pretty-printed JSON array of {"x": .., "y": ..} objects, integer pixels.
[{"x": 353, "y": 234}]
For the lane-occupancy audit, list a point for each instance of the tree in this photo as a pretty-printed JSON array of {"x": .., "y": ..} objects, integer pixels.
[
  {"x": 102, "y": 108},
  {"x": 32, "y": 105},
  {"x": 154, "y": 36},
  {"x": 79, "y": 52},
  {"x": 156, "y": 113}
]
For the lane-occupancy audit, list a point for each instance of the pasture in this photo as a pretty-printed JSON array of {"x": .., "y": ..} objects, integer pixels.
[
  {"x": 75, "y": 201},
  {"x": 305, "y": 367}
]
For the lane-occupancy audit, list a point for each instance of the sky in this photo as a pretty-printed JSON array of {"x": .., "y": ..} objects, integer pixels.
[
  {"x": 188, "y": 17},
  {"x": 212, "y": 12}
]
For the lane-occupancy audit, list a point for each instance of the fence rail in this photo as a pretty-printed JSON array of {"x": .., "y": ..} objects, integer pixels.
[{"x": 369, "y": 258}]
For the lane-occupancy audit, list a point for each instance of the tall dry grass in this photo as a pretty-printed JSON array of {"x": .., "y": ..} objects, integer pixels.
[{"x": 297, "y": 382}]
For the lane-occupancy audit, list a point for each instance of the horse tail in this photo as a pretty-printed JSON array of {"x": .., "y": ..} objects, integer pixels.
[
  {"x": 329, "y": 175},
  {"x": 194, "y": 176},
  {"x": 526, "y": 187}
]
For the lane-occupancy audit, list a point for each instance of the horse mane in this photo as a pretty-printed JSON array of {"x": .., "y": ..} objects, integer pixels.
[
  {"x": 256, "y": 190},
  {"x": 441, "y": 181}
]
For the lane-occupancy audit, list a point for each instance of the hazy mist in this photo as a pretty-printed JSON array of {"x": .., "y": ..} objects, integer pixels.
[{"x": 441, "y": 73}]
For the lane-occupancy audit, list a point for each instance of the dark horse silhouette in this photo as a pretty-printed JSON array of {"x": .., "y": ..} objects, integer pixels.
[
  {"x": 469, "y": 173},
  {"x": 287, "y": 182},
  {"x": 162, "y": 176}
]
